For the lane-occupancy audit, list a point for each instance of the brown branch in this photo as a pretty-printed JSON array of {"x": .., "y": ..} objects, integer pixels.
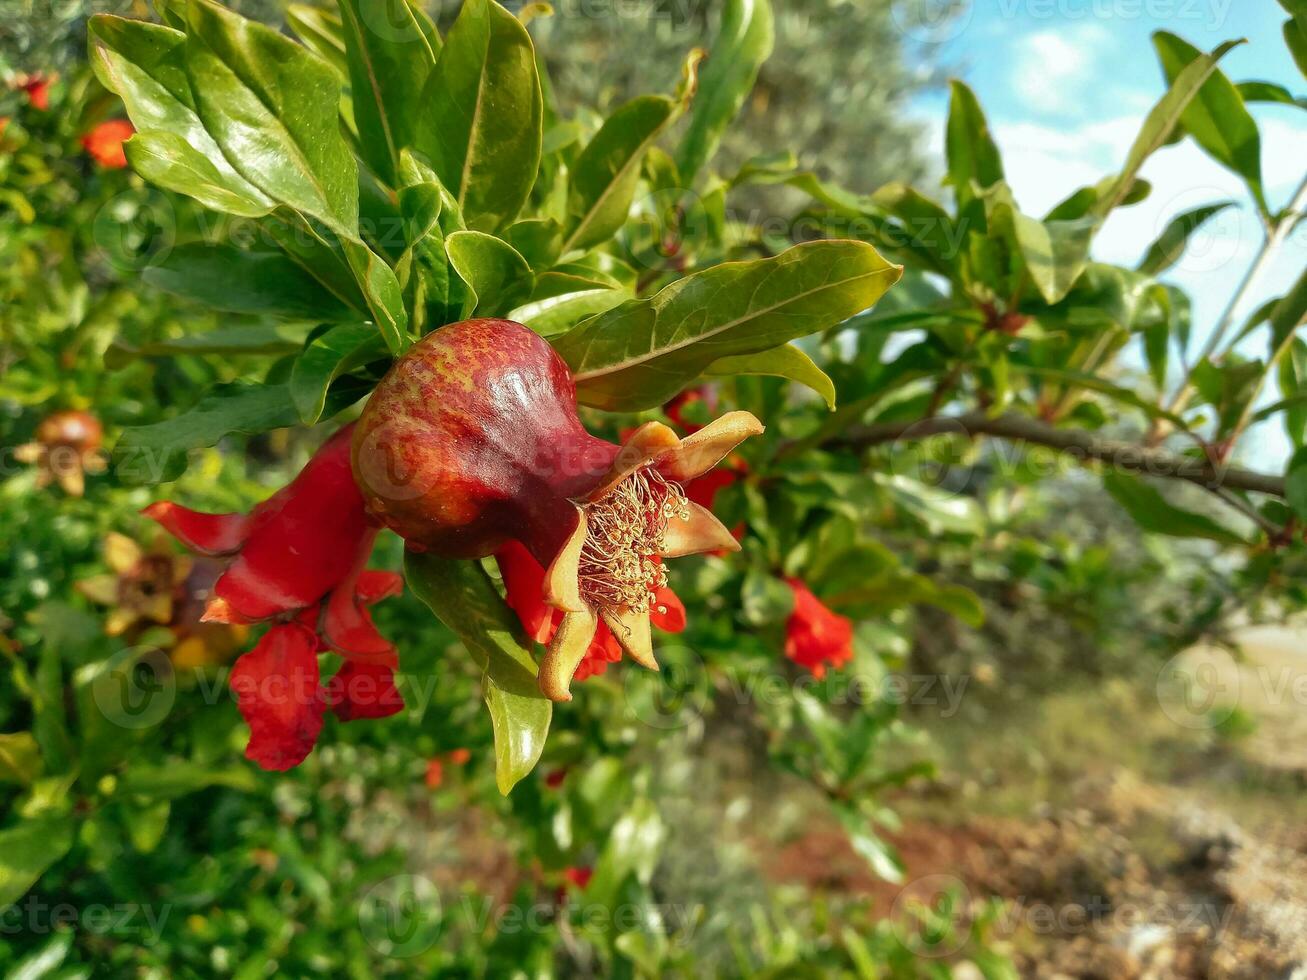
[{"x": 1078, "y": 444}]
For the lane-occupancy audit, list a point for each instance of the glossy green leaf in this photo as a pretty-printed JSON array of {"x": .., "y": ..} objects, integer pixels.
[
  {"x": 382, "y": 291},
  {"x": 272, "y": 106},
  {"x": 735, "y": 56},
  {"x": 227, "y": 278},
  {"x": 605, "y": 175},
  {"x": 1054, "y": 253},
  {"x": 481, "y": 115},
  {"x": 1160, "y": 124},
  {"x": 390, "y": 58},
  {"x": 462, "y": 596},
  {"x": 268, "y": 338},
  {"x": 1170, "y": 245},
  {"x": 641, "y": 353},
  {"x": 157, "y": 453},
  {"x": 168, "y": 161},
  {"x": 555, "y": 315},
  {"x": 974, "y": 163},
  {"x": 1216, "y": 117},
  {"x": 785, "y": 361},
  {"x": 497, "y": 277},
  {"x": 322, "y": 33},
  {"x": 27, "y": 850},
  {"x": 632, "y": 850},
  {"x": 336, "y": 352},
  {"x": 144, "y": 64},
  {"x": 1155, "y": 514},
  {"x": 1295, "y": 38}
]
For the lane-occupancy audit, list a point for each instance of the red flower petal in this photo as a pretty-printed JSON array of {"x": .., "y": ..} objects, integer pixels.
[
  {"x": 347, "y": 625},
  {"x": 814, "y": 635},
  {"x": 208, "y": 534},
  {"x": 666, "y": 611},
  {"x": 524, "y": 582},
  {"x": 302, "y": 542},
  {"x": 373, "y": 586},
  {"x": 603, "y": 650},
  {"x": 105, "y": 143},
  {"x": 361, "y": 690},
  {"x": 277, "y": 691}
]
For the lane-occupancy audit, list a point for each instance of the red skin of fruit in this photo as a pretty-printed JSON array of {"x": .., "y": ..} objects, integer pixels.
[
  {"x": 79, "y": 430},
  {"x": 472, "y": 439}
]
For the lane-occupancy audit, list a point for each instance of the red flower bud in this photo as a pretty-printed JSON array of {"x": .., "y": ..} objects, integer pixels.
[
  {"x": 105, "y": 143},
  {"x": 814, "y": 635},
  {"x": 472, "y": 440}
]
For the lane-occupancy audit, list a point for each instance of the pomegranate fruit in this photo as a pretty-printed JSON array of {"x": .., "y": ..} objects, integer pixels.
[{"x": 472, "y": 440}]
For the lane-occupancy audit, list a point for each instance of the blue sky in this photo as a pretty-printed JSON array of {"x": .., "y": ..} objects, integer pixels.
[{"x": 1066, "y": 84}]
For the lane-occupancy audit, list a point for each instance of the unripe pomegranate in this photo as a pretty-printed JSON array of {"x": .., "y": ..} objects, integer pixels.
[{"x": 472, "y": 440}]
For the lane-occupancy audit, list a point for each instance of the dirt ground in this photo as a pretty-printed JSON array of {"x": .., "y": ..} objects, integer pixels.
[{"x": 1176, "y": 851}]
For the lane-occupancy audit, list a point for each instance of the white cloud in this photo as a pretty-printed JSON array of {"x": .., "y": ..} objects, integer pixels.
[{"x": 1049, "y": 66}]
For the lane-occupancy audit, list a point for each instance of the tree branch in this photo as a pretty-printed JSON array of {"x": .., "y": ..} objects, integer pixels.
[{"x": 1075, "y": 443}]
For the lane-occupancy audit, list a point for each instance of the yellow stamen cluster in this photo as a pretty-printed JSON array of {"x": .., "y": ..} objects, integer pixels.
[{"x": 625, "y": 529}]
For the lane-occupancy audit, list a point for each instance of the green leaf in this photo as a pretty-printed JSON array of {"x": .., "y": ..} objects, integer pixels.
[
  {"x": 785, "y": 361},
  {"x": 45, "y": 963},
  {"x": 1295, "y": 483},
  {"x": 643, "y": 352},
  {"x": 497, "y": 277},
  {"x": 462, "y": 597},
  {"x": 1216, "y": 118},
  {"x": 322, "y": 33},
  {"x": 156, "y": 453},
  {"x": 226, "y": 278},
  {"x": 168, "y": 161},
  {"x": 1054, "y": 253},
  {"x": 27, "y": 850},
  {"x": 20, "y": 758},
  {"x": 144, "y": 64},
  {"x": 735, "y": 56},
  {"x": 1170, "y": 244},
  {"x": 273, "y": 107},
  {"x": 555, "y": 315},
  {"x": 974, "y": 163},
  {"x": 269, "y": 338},
  {"x": 1295, "y": 38},
  {"x": 1268, "y": 92},
  {"x": 481, "y": 115},
  {"x": 632, "y": 849},
  {"x": 1160, "y": 124},
  {"x": 1152, "y": 512},
  {"x": 180, "y": 777},
  {"x": 880, "y": 856},
  {"x": 382, "y": 291},
  {"x": 390, "y": 58},
  {"x": 605, "y": 175},
  {"x": 336, "y": 352}
]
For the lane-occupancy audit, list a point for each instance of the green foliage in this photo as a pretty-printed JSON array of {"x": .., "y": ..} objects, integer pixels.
[{"x": 338, "y": 197}]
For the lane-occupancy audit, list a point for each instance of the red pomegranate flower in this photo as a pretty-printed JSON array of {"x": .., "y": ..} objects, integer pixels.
[
  {"x": 299, "y": 558},
  {"x": 105, "y": 143},
  {"x": 37, "y": 88},
  {"x": 524, "y": 580},
  {"x": 472, "y": 440},
  {"x": 816, "y": 637}
]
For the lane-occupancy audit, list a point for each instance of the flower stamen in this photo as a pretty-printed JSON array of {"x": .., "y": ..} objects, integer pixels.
[{"x": 619, "y": 566}]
